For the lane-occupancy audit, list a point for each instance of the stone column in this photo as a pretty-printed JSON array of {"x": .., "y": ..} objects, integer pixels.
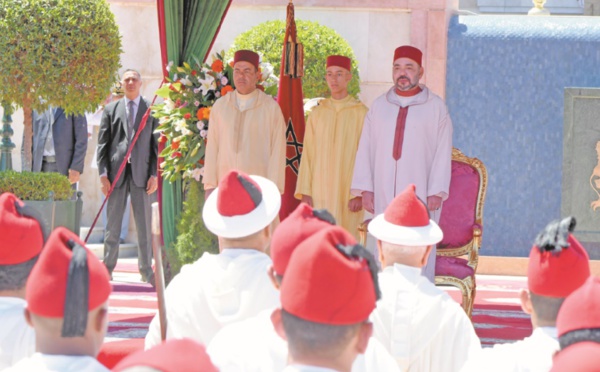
[{"x": 429, "y": 32}]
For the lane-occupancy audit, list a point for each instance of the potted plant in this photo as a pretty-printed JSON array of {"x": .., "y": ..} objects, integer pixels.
[{"x": 50, "y": 193}]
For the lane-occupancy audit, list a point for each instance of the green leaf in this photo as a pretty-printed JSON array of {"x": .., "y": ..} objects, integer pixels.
[{"x": 163, "y": 91}]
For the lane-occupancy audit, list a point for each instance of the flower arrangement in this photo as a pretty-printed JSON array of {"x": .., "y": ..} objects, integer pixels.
[{"x": 188, "y": 95}]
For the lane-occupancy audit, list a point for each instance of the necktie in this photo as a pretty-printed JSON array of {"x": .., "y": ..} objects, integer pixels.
[
  {"x": 130, "y": 121},
  {"x": 399, "y": 135}
]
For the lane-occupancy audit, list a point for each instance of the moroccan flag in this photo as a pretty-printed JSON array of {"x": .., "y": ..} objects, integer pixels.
[{"x": 289, "y": 97}]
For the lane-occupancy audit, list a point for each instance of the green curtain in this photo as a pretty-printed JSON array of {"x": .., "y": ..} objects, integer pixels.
[{"x": 191, "y": 27}]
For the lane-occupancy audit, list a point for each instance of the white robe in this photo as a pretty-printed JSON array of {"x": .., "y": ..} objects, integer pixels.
[
  {"x": 214, "y": 291},
  {"x": 58, "y": 363},
  {"x": 17, "y": 338},
  {"x": 305, "y": 368},
  {"x": 253, "y": 345},
  {"x": 532, "y": 354},
  {"x": 426, "y": 150},
  {"x": 420, "y": 324}
]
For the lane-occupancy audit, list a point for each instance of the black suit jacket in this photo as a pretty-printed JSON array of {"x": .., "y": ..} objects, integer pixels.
[
  {"x": 113, "y": 143},
  {"x": 70, "y": 137}
]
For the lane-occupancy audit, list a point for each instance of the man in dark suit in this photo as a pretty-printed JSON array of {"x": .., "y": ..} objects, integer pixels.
[
  {"x": 119, "y": 125},
  {"x": 59, "y": 143}
]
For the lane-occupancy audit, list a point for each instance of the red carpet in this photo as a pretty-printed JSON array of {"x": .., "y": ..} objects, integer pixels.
[{"x": 497, "y": 315}]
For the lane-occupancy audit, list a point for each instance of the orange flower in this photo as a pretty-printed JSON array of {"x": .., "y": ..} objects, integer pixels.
[
  {"x": 217, "y": 65},
  {"x": 206, "y": 113},
  {"x": 226, "y": 89},
  {"x": 203, "y": 113},
  {"x": 175, "y": 145}
]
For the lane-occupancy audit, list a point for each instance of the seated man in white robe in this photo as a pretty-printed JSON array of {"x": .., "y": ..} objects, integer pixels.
[
  {"x": 558, "y": 265},
  {"x": 175, "y": 355},
  {"x": 67, "y": 306},
  {"x": 253, "y": 345},
  {"x": 329, "y": 290},
  {"x": 223, "y": 288},
  {"x": 23, "y": 236},
  {"x": 420, "y": 324}
]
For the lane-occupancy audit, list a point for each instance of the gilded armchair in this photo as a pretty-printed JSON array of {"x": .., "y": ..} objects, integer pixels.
[{"x": 462, "y": 223}]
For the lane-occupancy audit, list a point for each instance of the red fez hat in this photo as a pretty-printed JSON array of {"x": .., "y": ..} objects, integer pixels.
[
  {"x": 173, "y": 355},
  {"x": 406, "y": 222},
  {"x": 578, "y": 328},
  {"x": 583, "y": 356},
  {"x": 21, "y": 230},
  {"x": 339, "y": 61},
  {"x": 49, "y": 287},
  {"x": 241, "y": 206},
  {"x": 407, "y": 51},
  {"x": 558, "y": 264},
  {"x": 246, "y": 56},
  {"x": 330, "y": 279},
  {"x": 580, "y": 310},
  {"x": 302, "y": 223}
]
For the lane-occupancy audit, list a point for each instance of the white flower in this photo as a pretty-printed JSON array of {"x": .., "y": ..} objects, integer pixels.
[
  {"x": 217, "y": 94},
  {"x": 203, "y": 133},
  {"x": 175, "y": 77},
  {"x": 169, "y": 65},
  {"x": 169, "y": 105},
  {"x": 163, "y": 120},
  {"x": 185, "y": 131},
  {"x": 197, "y": 173},
  {"x": 207, "y": 84},
  {"x": 197, "y": 90},
  {"x": 266, "y": 71},
  {"x": 197, "y": 103},
  {"x": 180, "y": 125},
  {"x": 224, "y": 80},
  {"x": 185, "y": 81},
  {"x": 200, "y": 125}
]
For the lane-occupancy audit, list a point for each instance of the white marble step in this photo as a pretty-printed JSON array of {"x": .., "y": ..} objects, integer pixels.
[
  {"x": 96, "y": 237},
  {"x": 126, "y": 250}
]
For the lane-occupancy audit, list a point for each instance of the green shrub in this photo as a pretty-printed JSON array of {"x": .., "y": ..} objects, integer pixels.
[
  {"x": 36, "y": 185},
  {"x": 193, "y": 239},
  {"x": 319, "y": 42}
]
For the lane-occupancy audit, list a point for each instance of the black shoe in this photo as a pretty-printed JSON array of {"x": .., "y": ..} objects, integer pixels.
[{"x": 148, "y": 278}]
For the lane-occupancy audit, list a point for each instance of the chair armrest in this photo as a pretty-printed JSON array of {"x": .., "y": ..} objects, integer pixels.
[{"x": 477, "y": 229}]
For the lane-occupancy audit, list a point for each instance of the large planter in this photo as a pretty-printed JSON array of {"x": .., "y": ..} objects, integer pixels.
[{"x": 66, "y": 213}]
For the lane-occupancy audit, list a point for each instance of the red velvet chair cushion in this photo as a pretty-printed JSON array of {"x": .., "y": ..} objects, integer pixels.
[
  {"x": 458, "y": 212},
  {"x": 453, "y": 266}
]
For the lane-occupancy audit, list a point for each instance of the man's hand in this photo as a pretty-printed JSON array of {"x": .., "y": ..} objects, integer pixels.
[
  {"x": 355, "y": 204},
  {"x": 73, "y": 176},
  {"x": 105, "y": 184},
  {"x": 152, "y": 185},
  {"x": 368, "y": 201},
  {"x": 434, "y": 202},
  {"x": 207, "y": 193},
  {"x": 307, "y": 199}
]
